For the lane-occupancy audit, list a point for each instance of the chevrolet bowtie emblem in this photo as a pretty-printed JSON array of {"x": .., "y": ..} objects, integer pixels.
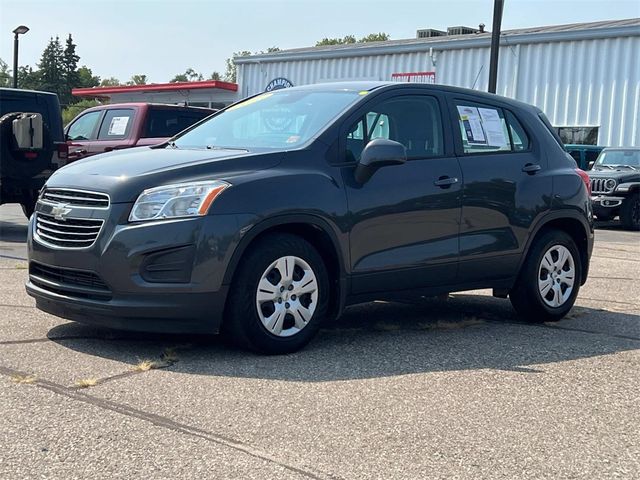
[{"x": 60, "y": 212}]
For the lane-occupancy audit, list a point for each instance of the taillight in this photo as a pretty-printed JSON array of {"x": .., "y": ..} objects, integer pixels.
[
  {"x": 63, "y": 150},
  {"x": 585, "y": 178}
]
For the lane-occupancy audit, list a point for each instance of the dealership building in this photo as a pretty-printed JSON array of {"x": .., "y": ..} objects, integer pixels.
[{"x": 585, "y": 77}]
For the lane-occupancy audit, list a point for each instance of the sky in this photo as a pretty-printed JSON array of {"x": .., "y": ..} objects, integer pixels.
[{"x": 161, "y": 38}]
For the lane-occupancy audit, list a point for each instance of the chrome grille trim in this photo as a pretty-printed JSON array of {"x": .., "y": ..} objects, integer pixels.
[
  {"x": 598, "y": 185},
  {"x": 72, "y": 233},
  {"x": 76, "y": 198}
]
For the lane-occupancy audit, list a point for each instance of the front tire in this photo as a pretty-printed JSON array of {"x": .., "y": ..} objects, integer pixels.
[
  {"x": 279, "y": 296},
  {"x": 549, "y": 281},
  {"x": 630, "y": 212}
]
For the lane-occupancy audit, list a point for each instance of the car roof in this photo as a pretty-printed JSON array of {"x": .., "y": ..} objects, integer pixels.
[
  {"x": 147, "y": 104},
  {"x": 378, "y": 85},
  {"x": 18, "y": 91},
  {"x": 621, "y": 149}
]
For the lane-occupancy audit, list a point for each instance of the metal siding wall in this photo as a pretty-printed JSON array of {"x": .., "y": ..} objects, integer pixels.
[{"x": 576, "y": 83}]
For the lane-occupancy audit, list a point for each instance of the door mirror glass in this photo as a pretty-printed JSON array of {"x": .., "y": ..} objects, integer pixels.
[{"x": 378, "y": 153}]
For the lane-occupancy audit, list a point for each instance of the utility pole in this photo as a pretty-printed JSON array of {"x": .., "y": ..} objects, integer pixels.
[{"x": 498, "y": 6}]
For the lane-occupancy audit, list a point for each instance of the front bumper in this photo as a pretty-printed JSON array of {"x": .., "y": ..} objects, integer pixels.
[
  {"x": 606, "y": 201},
  {"x": 164, "y": 276}
]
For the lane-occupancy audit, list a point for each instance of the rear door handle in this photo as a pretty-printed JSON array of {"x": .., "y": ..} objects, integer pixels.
[
  {"x": 531, "y": 168},
  {"x": 445, "y": 182}
]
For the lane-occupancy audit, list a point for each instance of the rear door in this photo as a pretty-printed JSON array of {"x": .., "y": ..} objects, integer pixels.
[
  {"x": 116, "y": 130},
  {"x": 404, "y": 221},
  {"x": 506, "y": 187}
]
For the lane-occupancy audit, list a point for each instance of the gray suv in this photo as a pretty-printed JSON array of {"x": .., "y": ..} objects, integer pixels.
[{"x": 272, "y": 215}]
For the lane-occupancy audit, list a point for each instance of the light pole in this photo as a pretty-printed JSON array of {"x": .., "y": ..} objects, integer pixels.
[
  {"x": 498, "y": 6},
  {"x": 21, "y": 30}
]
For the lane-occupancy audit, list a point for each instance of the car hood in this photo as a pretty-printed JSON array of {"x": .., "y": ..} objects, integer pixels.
[
  {"x": 124, "y": 174},
  {"x": 620, "y": 174}
]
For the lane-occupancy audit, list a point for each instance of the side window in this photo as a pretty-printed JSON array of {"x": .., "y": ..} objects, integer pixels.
[
  {"x": 518, "y": 135},
  {"x": 483, "y": 129},
  {"x": 116, "y": 124},
  {"x": 167, "y": 122},
  {"x": 83, "y": 127},
  {"x": 413, "y": 120}
]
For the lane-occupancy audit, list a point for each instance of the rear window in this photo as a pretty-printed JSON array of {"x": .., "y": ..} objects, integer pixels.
[
  {"x": 163, "y": 122},
  {"x": 116, "y": 124}
]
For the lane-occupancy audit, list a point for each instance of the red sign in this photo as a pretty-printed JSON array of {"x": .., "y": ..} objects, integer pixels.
[{"x": 415, "y": 77}]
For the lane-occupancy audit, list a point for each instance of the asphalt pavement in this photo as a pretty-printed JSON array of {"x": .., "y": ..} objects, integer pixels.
[{"x": 455, "y": 389}]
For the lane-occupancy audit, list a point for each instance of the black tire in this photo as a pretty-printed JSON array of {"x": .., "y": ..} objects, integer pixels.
[
  {"x": 525, "y": 295},
  {"x": 603, "y": 217},
  {"x": 242, "y": 324},
  {"x": 630, "y": 212}
]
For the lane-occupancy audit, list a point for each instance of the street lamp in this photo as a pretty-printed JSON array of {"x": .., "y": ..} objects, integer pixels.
[{"x": 21, "y": 30}]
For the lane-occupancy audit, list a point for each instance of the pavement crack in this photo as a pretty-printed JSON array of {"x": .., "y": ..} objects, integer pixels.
[{"x": 169, "y": 424}]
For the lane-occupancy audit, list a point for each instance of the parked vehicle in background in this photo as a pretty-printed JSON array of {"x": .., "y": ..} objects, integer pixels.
[
  {"x": 274, "y": 214},
  {"x": 615, "y": 184},
  {"x": 25, "y": 167},
  {"x": 584, "y": 155},
  {"x": 113, "y": 127}
]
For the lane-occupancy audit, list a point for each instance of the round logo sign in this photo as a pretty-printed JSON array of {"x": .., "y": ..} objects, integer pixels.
[{"x": 278, "y": 84}]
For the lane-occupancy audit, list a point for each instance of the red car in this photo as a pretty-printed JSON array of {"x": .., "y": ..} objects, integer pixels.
[{"x": 125, "y": 125}]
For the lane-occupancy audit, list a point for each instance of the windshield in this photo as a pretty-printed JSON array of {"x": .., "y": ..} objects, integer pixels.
[
  {"x": 619, "y": 157},
  {"x": 284, "y": 119}
]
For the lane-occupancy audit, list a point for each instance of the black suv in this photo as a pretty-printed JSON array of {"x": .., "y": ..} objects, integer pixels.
[
  {"x": 271, "y": 216},
  {"x": 23, "y": 171},
  {"x": 615, "y": 183}
]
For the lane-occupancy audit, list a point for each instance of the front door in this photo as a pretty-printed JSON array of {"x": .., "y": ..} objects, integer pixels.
[
  {"x": 404, "y": 221},
  {"x": 81, "y": 134}
]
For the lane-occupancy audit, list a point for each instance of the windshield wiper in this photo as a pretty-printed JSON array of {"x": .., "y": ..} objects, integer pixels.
[
  {"x": 627, "y": 166},
  {"x": 213, "y": 147}
]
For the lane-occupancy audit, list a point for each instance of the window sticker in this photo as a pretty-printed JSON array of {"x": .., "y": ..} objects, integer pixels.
[
  {"x": 470, "y": 118},
  {"x": 492, "y": 124},
  {"x": 118, "y": 126}
]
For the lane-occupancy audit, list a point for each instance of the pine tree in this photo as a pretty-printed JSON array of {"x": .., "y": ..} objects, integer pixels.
[
  {"x": 51, "y": 71},
  {"x": 69, "y": 71}
]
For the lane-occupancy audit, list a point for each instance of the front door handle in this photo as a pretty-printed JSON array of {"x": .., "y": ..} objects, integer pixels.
[
  {"x": 445, "y": 182},
  {"x": 531, "y": 168}
]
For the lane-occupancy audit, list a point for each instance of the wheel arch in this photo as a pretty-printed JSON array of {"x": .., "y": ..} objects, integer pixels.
[
  {"x": 572, "y": 223},
  {"x": 314, "y": 230}
]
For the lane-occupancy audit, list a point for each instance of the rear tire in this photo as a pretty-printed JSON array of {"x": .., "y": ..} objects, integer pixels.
[
  {"x": 630, "y": 212},
  {"x": 279, "y": 296},
  {"x": 549, "y": 280}
]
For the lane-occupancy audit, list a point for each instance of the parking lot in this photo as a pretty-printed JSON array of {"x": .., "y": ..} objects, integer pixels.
[{"x": 453, "y": 388}]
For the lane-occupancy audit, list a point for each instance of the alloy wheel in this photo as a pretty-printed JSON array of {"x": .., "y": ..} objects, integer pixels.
[
  {"x": 556, "y": 276},
  {"x": 287, "y": 296}
]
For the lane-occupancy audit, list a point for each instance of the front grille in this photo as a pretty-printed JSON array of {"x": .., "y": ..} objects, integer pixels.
[
  {"x": 602, "y": 185},
  {"x": 69, "y": 282},
  {"x": 76, "y": 198},
  {"x": 68, "y": 233}
]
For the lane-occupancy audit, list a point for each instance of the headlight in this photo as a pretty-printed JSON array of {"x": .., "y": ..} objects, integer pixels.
[
  {"x": 610, "y": 184},
  {"x": 172, "y": 201}
]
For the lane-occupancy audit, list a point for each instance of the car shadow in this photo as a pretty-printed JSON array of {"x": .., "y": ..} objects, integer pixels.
[
  {"x": 467, "y": 332},
  {"x": 13, "y": 232}
]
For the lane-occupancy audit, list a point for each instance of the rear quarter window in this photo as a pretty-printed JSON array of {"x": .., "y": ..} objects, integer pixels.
[{"x": 162, "y": 122}]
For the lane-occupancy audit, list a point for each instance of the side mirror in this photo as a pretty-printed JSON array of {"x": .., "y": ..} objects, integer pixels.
[
  {"x": 590, "y": 164},
  {"x": 379, "y": 153}
]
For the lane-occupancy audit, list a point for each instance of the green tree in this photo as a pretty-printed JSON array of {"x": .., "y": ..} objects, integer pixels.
[
  {"x": 137, "y": 80},
  {"x": 29, "y": 78},
  {"x": 86, "y": 79},
  {"x": 72, "y": 111},
  {"x": 110, "y": 82},
  {"x": 230, "y": 75},
  {"x": 51, "y": 69},
  {"x": 190, "y": 75},
  {"x": 348, "y": 39},
  {"x": 5, "y": 74},
  {"x": 375, "y": 37},
  {"x": 215, "y": 76},
  {"x": 69, "y": 64}
]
